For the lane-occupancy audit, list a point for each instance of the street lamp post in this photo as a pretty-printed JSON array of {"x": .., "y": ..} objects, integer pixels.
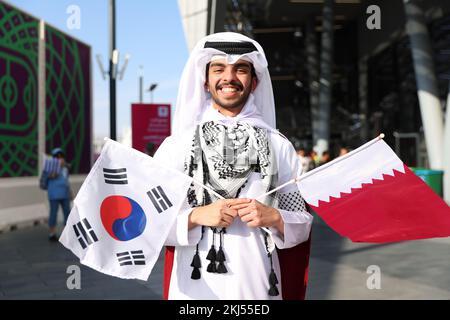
[
  {"x": 113, "y": 71},
  {"x": 112, "y": 66},
  {"x": 151, "y": 89},
  {"x": 141, "y": 84}
]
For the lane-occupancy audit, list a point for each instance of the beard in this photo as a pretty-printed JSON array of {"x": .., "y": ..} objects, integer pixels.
[{"x": 234, "y": 103}]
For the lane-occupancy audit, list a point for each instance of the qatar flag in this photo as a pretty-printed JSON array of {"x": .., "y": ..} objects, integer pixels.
[{"x": 369, "y": 195}]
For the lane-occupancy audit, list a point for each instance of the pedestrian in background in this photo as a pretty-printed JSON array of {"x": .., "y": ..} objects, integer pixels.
[
  {"x": 58, "y": 189},
  {"x": 342, "y": 151},
  {"x": 314, "y": 163},
  {"x": 325, "y": 158},
  {"x": 305, "y": 160}
]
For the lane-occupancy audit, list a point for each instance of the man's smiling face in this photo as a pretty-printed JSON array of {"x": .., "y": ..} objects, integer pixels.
[{"x": 230, "y": 84}]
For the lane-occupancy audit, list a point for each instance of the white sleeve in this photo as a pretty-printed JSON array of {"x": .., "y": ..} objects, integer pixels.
[
  {"x": 297, "y": 220},
  {"x": 179, "y": 235},
  {"x": 164, "y": 154}
]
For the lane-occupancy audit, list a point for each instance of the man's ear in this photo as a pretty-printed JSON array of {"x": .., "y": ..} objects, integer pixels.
[
  {"x": 207, "y": 76},
  {"x": 254, "y": 83}
]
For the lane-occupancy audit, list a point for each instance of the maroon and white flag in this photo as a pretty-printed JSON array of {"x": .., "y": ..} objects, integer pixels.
[{"x": 370, "y": 195}]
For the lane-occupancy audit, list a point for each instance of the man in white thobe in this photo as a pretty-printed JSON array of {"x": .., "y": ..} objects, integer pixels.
[{"x": 225, "y": 138}]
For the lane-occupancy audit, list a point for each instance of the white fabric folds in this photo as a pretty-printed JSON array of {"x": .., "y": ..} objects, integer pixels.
[{"x": 192, "y": 100}]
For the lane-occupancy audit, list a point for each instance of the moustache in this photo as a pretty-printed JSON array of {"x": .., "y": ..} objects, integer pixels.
[{"x": 232, "y": 83}]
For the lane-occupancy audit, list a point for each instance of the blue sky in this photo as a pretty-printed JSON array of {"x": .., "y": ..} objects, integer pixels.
[{"x": 149, "y": 30}]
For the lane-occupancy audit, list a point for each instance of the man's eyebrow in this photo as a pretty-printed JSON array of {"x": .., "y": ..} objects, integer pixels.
[
  {"x": 216, "y": 64},
  {"x": 237, "y": 65},
  {"x": 242, "y": 64}
]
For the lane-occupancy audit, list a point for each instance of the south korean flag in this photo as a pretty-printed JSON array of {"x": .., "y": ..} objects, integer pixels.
[{"x": 123, "y": 212}]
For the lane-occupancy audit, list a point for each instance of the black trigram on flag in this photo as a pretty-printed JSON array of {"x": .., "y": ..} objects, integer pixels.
[
  {"x": 159, "y": 199},
  {"x": 85, "y": 234},
  {"x": 115, "y": 176},
  {"x": 131, "y": 257}
]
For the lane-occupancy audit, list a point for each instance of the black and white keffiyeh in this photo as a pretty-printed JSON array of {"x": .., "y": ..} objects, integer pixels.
[{"x": 222, "y": 157}]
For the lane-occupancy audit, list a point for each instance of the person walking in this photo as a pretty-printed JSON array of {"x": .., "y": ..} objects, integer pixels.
[{"x": 58, "y": 189}]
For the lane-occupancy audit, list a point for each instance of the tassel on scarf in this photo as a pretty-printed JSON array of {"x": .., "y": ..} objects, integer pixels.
[
  {"x": 221, "y": 268},
  {"x": 196, "y": 264},
  {"x": 212, "y": 254},
  {"x": 273, "y": 281},
  {"x": 212, "y": 267},
  {"x": 273, "y": 291},
  {"x": 273, "y": 278},
  {"x": 220, "y": 257},
  {"x": 196, "y": 274}
]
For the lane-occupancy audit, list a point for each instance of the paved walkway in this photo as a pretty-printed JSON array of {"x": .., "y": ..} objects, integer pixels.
[
  {"x": 409, "y": 270},
  {"x": 33, "y": 268}
]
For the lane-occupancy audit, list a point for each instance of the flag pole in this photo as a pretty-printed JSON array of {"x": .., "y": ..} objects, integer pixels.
[
  {"x": 207, "y": 188},
  {"x": 277, "y": 188},
  {"x": 322, "y": 167}
]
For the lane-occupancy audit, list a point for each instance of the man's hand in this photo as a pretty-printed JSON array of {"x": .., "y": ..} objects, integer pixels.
[
  {"x": 256, "y": 214},
  {"x": 216, "y": 214}
]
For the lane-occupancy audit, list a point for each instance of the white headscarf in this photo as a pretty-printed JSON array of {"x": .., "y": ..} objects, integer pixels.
[{"x": 193, "y": 100}]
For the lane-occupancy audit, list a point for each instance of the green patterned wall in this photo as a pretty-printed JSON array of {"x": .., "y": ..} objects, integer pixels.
[
  {"x": 18, "y": 93},
  {"x": 67, "y": 95},
  {"x": 68, "y": 103}
]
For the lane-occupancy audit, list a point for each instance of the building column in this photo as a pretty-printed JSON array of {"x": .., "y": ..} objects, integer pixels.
[
  {"x": 363, "y": 98},
  {"x": 41, "y": 97},
  {"x": 313, "y": 75},
  {"x": 321, "y": 135},
  {"x": 216, "y": 16},
  {"x": 194, "y": 16},
  {"x": 446, "y": 150},
  {"x": 427, "y": 88}
]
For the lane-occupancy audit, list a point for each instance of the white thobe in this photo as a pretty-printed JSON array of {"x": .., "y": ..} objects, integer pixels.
[{"x": 247, "y": 261}]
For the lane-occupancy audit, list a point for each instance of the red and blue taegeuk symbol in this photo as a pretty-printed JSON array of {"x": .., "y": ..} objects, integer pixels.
[{"x": 122, "y": 217}]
